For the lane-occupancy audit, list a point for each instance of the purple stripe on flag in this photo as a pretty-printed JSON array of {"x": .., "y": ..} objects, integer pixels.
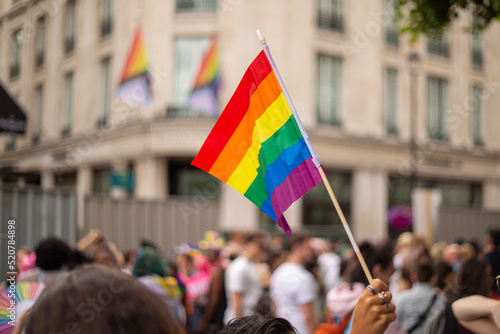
[{"x": 297, "y": 183}]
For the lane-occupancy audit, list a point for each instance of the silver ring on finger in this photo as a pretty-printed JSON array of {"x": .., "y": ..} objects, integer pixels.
[
  {"x": 371, "y": 289},
  {"x": 388, "y": 308},
  {"x": 383, "y": 296}
]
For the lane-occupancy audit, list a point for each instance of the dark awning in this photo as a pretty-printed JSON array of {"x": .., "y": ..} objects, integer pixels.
[{"x": 12, "y": 117}]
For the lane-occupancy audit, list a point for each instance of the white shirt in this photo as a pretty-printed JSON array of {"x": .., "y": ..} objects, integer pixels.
[
  {"x": 242, "y": 277},
  {"x": 291, "y": 287},
  {"x": 330, "y": 268}
]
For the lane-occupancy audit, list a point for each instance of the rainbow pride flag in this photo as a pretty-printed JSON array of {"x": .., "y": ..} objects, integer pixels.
[
  {"x": 257, "y": 148},
  {"x": 135, "y": 80},
  {"x": 206, "y": 87}
]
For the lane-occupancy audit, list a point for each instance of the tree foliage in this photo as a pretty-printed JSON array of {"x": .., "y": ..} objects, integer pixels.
[{"x": 431, "y": 17}]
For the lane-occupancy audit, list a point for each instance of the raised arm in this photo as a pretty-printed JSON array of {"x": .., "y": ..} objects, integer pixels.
[{"x": 478, "y": 314}]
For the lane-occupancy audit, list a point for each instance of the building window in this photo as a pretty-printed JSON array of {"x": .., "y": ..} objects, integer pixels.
[
  {"x": 454, "y": 193},
  {"x": 105, "y": 101},
  {"x": 10, "y": 144},
  {"x": 15, "y": 62},
  {"x": 106, "y": 17},
  {"x": 68, "y": 104},
  {"x": 391, "y": 32},
  {"x": 40, "y": 41},
  {"x": 70, "y": 26},
  {"x": 101, "y": 180},
  {"x": 37, "y": 126},
  {"x": 390, "y": 100},
  {"x": 188, "y": 56},
  {"x": 439, "y": 45},
  {"x": 437, "y": 96},
  {"x": 477, "y": 48},
  {"x": 196, "y": 6},
  {"x": 331, "y": 15},
  {"x": 477, "y": 115},
  {"x": 328, "y": 90},
  {"x": 186, "y": 180},
  {"x": 318, "y": 215}
]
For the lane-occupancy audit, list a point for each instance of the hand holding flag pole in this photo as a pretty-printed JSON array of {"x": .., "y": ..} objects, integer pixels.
[{"x": 315, "y": 159}]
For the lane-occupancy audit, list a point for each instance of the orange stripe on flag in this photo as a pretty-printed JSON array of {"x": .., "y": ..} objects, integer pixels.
[{"x": 241, "y": 140}]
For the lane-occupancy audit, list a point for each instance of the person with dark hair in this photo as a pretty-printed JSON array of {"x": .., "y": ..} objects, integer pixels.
[
  {"x": 52, "y": 254},
  {"x": 293, "y": 289},
  {"x": 243, "y": 284},
  {"x": 258, "y": 324},
  {"x": 98, "y": 299},
  {"x": 150, "y": 269},
  {"x": 372, "y": 315},
  {"x": 473, "y": 278},
  {"x": 494, "y": 258},
  {"x": 342, "y": 299},
  {"x": 443, "y": 276},
  {"x": 417, "y": 304},
  {"x": 77, "y": 259}
]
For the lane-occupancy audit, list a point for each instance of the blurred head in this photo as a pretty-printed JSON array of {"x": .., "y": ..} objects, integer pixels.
[
  {"x": 444, "y": 274},
  {"x": 423, "y": 269},
  {"x": 253, "y": 246},
  {"x": 473, "y": 278},
  {"x": 52, "y": 254},
  {"x": 299, "y": 247},
  {"x": 381, "y": 264},
  {"x": 104, "y": 256},
  {"x": 98, "y": 299},
  {"x": 258, "y": 324},
  {"x": 149, "y": 262}
]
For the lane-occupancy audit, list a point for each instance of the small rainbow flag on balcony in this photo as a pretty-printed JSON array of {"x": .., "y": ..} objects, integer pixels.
[
  {"x": 206, "y": 87},
  {"x": 257, "y": 146},
  {"x": 135, "y": 81}
]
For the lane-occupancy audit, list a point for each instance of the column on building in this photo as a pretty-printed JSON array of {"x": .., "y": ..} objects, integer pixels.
[
  {"x": 236, "y": 212},
  {"x": 150, "y": 174},
  {"x": 369, "y": 199},
  {"x": 48, "y": 180},
  {"x": 491, "y": 194}
]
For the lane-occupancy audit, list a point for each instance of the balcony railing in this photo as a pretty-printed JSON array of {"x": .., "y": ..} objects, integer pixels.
[
  {"x": 391, "y": 37},
  {"x": 40, "y": 59},
  {"x": 36, "y": 138},
  {"x": 66, "y": 132},
  {"x": 106, "y": 26},
  {"x": 183, "y": 112},
  {"x": 102, "y": 122},
  {"x": 477, "y": 58},
  {"x": 14, "y": 70},
  {"x": 331, "y": 22},
  {"x": 438, "y": 47},
  {"x": 196, "y": 6},
  {"x": 69, "y": 44}
]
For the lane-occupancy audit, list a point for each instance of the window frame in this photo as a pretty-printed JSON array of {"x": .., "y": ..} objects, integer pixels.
[
  {"x": 332, "y": 90},
  {"x": 390, "y": 108},
  {"x": 436, "y": 124}
]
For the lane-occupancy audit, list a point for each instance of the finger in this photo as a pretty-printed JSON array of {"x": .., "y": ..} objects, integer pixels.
[
  {"x": 385, "y": 297},
  {"x": 378, "y": 285}
]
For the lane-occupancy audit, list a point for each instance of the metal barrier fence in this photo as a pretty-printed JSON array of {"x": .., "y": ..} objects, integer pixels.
[
  {"x": 37, "y": 214},
  {"x": 465, "y": 223},
  {"x": 167, "y": 223}
]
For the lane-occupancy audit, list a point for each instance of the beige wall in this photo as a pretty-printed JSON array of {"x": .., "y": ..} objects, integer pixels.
[{"x": 361, "y": 145}]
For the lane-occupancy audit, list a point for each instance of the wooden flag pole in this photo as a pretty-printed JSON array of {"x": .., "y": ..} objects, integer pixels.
[
  {"x": 346, "y": 226},
  {"x": 315, "y": 158}
]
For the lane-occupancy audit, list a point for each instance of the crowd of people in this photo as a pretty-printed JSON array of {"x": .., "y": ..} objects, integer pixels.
[{"x": 258, "y": 283}]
